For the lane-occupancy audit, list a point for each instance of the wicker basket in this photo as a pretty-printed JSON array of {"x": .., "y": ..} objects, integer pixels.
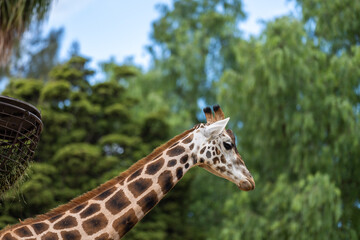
[{"x": 20, "y": 128}]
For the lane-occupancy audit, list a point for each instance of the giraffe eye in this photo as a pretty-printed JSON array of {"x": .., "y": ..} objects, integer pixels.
[{"x": 227, "y": 146}]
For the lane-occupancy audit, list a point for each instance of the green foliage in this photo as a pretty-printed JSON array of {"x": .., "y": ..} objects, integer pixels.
[
  {"x": 116, "y": 72},
  {"x": 36, "y": 194},
  {"x": 57, "y": 91},
  {"x": 90, "y": 135},
  {"x": 103, "y": 92},
  {"x": 307, "y": 209},
  {"x": 191, "y": 44},
  {"x": 334, "y": 23},
  {"x": 25, "y": 89},
  {"x": 79, "y": 161},
  {"x": 74, "y": 71},
  {"x": 293, "y": 95},
  {"x": 121, "y": 140},
  {"x": 206, "y": 200},
  {"x": 297, "y": 111},
  {"x": 117, "y": 110},
  {"x": 154, "y": 128}
]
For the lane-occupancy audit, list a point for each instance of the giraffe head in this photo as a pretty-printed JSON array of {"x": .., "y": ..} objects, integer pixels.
[{"x": 217, "y": 153}]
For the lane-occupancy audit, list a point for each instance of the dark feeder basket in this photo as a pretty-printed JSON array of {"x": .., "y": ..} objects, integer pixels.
[{"x": 20, "y": 128}]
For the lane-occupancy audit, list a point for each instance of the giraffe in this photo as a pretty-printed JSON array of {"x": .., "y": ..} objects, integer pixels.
[{"x": 112, "y": 209}]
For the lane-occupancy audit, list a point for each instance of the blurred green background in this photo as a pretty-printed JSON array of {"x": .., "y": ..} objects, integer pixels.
[{"x": 292, "y": 92}]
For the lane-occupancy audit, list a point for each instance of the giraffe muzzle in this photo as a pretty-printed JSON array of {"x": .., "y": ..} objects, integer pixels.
[{"x": 247, "y": 185}]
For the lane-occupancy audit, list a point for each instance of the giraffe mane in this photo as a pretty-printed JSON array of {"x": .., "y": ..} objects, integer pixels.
[{"x": 110, "y": 183}]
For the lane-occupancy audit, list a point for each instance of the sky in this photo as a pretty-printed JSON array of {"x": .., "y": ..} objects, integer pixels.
[{"x": 121, "y": 28}]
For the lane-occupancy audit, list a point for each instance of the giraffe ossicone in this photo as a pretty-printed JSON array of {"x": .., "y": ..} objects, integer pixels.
[{"x": 112, "y": 209}]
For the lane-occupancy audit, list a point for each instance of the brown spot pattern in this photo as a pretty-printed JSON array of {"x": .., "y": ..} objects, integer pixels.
[
  {"x": 127, "y": 221},
  {"x": 176, "y": 151},
  {"x": 179, "y": 172},
  {"x": 155, "y": 166},
  {"x": 40, "y": 227},
  {"x": 78, "y": 208},
  {"x": 217, "y": 151},
  {"x": 135, "y": 175},
  {"x": 50, "y": 236},
  {"x": 165, "y": 181},
  {"x": 95, "y": 224},
  {"x": 9, "y": 237},
  {"x": 231, "y": 134},
  {"x": 139, "y": 186},
  {"x": 221, "y": 169},
  {"x": 194, "y": 158},
  {"x": 191, "y": 146},
  {"x": 148, "y": 201},
  {"x": 103, "y": 236},
  {"x": 202, "y": 150},
  {"x": 188, "y": 139},
  {"x": 172, "y": 163},
  {"x": 67, "y": 222},
  {"x": 174, "y": 144},
  {"x": 117, "y": 202},
  {"x": 184, "y": 159},
  {"x": 208, "y": 154},
  {"x": 53, "y": 219},
  {"x": 23, "y": 232},
  {"x": 216, "y": 160},
  {"x": 71, "y": 235},
  {"x": 92, "y": 209},
  {"x": 105, "y": 194},
  {"x": 223, "y": 160}
]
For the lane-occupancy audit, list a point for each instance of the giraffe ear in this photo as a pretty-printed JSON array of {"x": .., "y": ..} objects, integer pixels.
[{"x": 215, "y": 128}]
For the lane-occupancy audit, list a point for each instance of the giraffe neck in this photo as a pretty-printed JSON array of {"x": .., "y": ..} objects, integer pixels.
[
  {"x": 149, "y": 184},
  {"x": 112, "y": 210}
]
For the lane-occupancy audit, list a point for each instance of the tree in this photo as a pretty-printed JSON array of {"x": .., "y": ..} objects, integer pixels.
[
  {"x": 191, "y": 48},
  {"x": 306, "y": 209},
  {"x": 297, "y": 111},
  {"x": 335, "y": 24},
  {"x": 92, "y": 133},
  {"x": 16, "y": 17},
  {"x": 103, "y": 137},
  {"x": 293, "y": 97}
]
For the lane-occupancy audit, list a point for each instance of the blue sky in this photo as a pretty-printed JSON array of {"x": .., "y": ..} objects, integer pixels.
[{"x": 119, "y": 28}]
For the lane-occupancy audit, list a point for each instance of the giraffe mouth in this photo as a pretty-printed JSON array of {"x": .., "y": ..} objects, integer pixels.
[{"x": 247, "y": 185}]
